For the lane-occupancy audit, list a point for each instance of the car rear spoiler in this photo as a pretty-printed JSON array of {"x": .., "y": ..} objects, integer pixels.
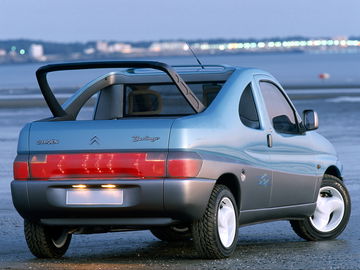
[{"x": 58, "y": 111}]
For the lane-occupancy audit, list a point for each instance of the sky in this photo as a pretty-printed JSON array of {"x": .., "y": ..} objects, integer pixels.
[{"x": 140, "y": 20}]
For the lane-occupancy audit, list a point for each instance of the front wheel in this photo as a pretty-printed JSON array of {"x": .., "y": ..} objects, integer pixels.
[
  {"x": 331, "y": 215},
  {"x": 215, "y": 234},
  {"x": 46, "y": 241}
]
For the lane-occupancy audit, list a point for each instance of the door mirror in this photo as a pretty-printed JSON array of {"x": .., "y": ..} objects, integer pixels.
[{"x": 311, "y": 120}]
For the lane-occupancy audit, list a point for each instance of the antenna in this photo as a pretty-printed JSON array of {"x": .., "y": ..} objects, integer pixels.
[{"x": 197, "y": 59}]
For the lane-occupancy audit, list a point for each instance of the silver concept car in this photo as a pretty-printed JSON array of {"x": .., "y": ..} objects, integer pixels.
[{"x": 191, "y": 153}]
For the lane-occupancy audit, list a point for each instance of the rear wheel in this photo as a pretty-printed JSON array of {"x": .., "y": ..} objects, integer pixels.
[
  {"x": 215, "y": 234},
  {"x": 331, "y": 215},
  {"x": 172, "y": 233},
  {"x": 46, "y": 241}
]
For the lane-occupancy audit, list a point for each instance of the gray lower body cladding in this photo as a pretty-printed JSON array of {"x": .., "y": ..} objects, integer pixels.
[{"x": 145, "y": 202}]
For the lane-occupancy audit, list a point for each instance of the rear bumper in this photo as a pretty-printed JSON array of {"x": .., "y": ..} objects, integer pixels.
[{"x": 145, "y": 202}]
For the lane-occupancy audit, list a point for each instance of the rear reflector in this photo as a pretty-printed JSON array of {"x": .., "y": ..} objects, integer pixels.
[
  {"x": 21, "y": 168},
  {"x": 183, "y": 164},
  {"x": 149, "y": 165}
]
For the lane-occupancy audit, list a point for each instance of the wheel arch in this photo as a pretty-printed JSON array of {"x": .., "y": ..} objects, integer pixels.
[
  {"x": 334, "y": 171},
  {"x": 232, "y": 182}
]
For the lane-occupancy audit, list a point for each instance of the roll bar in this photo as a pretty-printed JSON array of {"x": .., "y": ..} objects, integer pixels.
[{"x": 58, "y": 111}]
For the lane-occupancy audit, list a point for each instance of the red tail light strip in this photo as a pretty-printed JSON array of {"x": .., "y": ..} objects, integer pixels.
[
  {"x": 149, "y": 165},
  {"x": 21, "y": 168},
  {"x": 98, "y": 165}
]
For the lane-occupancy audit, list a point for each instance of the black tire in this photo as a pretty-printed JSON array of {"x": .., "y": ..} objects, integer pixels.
[
  {"x": 172, "y": 233},
  {"x": 205, "y": 231},
  {"x": 46, "y": 241},
  {"x": 336, "y": 222}
]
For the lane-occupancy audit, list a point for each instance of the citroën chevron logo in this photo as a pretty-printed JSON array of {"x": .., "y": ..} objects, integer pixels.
[{"x": 94, "y": 140}]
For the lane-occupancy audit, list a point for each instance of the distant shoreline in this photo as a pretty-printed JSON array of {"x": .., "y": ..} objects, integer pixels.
[
  {"x": 127, "y": 57},
  {"x": 14, "y": 51}
]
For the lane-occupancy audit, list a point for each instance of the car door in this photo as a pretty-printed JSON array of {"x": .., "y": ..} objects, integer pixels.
[
  {"x": 257, "y": 175},
  {"x": 291, "y": 156}
]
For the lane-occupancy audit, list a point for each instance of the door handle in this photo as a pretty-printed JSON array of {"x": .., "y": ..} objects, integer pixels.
[{"x": 269, "y": 140}]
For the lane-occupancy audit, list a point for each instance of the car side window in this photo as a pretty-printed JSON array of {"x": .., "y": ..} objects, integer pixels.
[
  {"x": 281, "y": 114},
  {"x": 247, "y": 109}
]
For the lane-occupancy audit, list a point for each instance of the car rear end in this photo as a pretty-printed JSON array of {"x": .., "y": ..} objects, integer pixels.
[
  {"x": 116, "y": 168},
  {"x": 106, "y": 173}
]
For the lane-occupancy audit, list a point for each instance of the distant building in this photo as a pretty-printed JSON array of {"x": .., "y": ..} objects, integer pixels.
[
  {"x": 102, "y": 46},
  {"x": 168, "y": 46},
  {"x": 120, "y": 48},
  {"x": 89, "y": 50},
  {"x": 37, "y": 52},
  {"x": 139, "y": 51}
]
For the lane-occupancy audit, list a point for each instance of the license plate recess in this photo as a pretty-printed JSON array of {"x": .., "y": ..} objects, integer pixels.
[{"x": 95, "y": 197}]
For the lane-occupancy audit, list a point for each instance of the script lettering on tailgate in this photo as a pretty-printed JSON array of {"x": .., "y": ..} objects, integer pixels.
[{"x": 146, "y": 138}]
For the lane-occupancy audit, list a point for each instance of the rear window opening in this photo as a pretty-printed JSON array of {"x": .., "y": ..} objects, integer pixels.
[
  {"x": 146, "y": 100},
  {"x": 165, "y": 99}
]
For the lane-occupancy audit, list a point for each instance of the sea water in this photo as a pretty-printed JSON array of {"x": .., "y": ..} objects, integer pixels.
[{"x": 288, "y": 68}]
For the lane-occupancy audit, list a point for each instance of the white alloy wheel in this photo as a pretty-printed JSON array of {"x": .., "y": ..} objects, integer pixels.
[
  {"x": 59, "y": 239},
  {"x": 330, "y": 208},
  {"x": 226, "y": 220},
  {"x": 215, "y": 234}
]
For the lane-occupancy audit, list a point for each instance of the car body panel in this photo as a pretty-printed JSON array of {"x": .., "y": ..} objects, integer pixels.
[
  {"x": 245, "y": 147},
  {"x": 150, "y": 198},
  {"x": 100, "y": 135},
  {"x": 296, "y": 174},
  {"x": 278, "y": 181}
]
